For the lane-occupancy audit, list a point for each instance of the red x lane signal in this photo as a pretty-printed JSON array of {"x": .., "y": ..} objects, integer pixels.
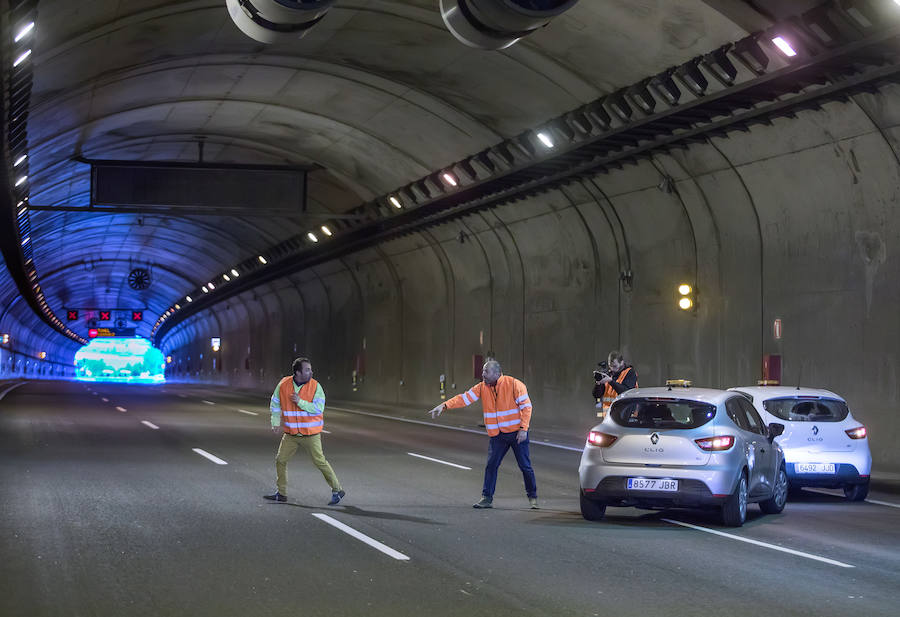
[
  {"x": 105, "y": 315},
  {"x": 137, "y": 315},
  {"x": 71, "y": 315}
]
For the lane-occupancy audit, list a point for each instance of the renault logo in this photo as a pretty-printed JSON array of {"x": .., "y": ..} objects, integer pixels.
[
  {"x": 654, "y": 438},
  {"x": 815, "y": 430}
]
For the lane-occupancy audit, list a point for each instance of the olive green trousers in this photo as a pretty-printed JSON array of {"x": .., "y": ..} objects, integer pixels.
[{"x": 313, "y": 445}]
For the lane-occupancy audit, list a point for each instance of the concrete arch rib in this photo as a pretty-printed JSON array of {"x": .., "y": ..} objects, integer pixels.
[
  {"x": 450, "y": 287},
  {"x": 510, "y": 241}
]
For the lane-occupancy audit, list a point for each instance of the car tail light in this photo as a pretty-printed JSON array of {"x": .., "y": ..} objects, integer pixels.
[
  {"x": 601, "y": 440},
  {"x": 715, "y": 444},
  {"x": 856, "y": 433}
]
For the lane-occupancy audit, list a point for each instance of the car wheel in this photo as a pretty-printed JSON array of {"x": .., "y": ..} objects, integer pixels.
[
  {"x": 734, "y": 510},
  {"x": 591, "y": 510},
  {"x": 857, "y": 492},
  {"x": 779, "y": 494}
]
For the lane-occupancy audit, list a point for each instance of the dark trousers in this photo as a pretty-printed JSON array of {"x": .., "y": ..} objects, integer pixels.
[{"x": 496, "y": 451}]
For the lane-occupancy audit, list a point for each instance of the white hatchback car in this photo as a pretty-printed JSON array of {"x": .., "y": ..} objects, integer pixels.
[
  {"x": 683, "y": 447},
  {"x": 823, "y": 444}
]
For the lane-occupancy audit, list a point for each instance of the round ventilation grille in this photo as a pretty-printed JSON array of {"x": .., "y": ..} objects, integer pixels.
[{"x": 139, "y": 278}]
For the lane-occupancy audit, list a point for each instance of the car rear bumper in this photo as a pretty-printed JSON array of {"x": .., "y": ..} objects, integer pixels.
[
  {"x": 844, "y": 474},
  {"x": 691, "y": 493}
]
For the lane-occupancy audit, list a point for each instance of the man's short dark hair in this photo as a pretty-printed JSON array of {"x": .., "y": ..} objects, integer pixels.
[
  {"x": 615, "y": 355},
  {"x": 298, "y": 364}
]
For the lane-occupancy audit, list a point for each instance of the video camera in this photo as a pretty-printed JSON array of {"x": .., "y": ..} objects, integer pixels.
[{"x": 603, "y": 372}]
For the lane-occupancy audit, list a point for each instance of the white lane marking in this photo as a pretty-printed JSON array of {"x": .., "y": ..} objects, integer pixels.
[
  {"x": 837, "y": 494},
  {"x": 182, "y": 395},
  {"x": 121, "y": 409},
  {"x": 324, "y": 431},
  {"x": 105, "y": 400},
  {"x": 11, "y": 388},
  {"x": 444, "y": 426},
  {"x": 437, "y": 460},
  {"x": 249, "y": 413},
  {"x": 774, "y": 547},
  {"x": 213, "y": 458},
  {"x": 208, "y": 402},
  {"x": 150, "y": 424},
  {"x": 387, "y": 550}
]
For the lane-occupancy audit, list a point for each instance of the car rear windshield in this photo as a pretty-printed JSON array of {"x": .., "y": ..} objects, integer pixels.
[
  {"x": 799, "y": 409},
  {"x": 661, "y": 413}
]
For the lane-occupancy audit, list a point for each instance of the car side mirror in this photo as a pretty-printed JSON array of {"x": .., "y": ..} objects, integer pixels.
[{"x": 775, "y": 429}]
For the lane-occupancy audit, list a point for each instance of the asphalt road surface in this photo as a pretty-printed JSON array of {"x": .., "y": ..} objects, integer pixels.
[{"x": 128, "y": 500}]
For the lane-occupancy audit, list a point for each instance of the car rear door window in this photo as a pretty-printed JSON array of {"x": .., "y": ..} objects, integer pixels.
[
  {"x": 659, "y": 413},
  {"x": 807, "y": 409},
  {"x": 753, "y": 420},
  {"x": 733, "y": 408}
]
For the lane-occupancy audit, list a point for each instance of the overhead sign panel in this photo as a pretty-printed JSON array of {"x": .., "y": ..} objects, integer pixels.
[{"x": 197, "y": 186}]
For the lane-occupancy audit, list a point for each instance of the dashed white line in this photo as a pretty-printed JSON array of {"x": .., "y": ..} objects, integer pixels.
[
  {"x": 182, "y": 396},
  {"x": 437, "y": 460},
  {"x": 837, "y": 494},
  {"x": 121, "y": 409},
  {"x": 774, "y": 547},
  {"x": 150, "y": 424},
  {"x": 105, "y": 400},
  {"x": 249, "y": 413},
  {"x": 387, "y": 550},
  {"x": 212, "y": 457},
  {"x": 208, "y": 402}
]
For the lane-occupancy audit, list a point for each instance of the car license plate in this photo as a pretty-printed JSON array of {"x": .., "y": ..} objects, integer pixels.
[
  {"x": 652, "y": 484},
  {"x": 814, "y": 467}
]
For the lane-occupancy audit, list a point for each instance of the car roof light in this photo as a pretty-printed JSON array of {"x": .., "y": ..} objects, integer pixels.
[
  {"x": 768, "y": 382},
  {"x": 682, "y": 383}
]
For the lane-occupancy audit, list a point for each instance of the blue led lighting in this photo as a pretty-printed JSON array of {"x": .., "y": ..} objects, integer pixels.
[{"x": 123, "y": 360}]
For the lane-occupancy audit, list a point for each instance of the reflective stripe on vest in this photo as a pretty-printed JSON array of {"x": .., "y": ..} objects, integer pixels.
[
  {"x": 295, "y": 420},
  {"x": 610, "y": 394},
  {"x": 508, "y": 419}
]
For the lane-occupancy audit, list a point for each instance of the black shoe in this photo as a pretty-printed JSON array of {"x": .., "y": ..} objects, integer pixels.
[
  {"x": 486, "y": 502},
  {"x": 336, "y": 497},
  {"x": 276, "y": 497}
]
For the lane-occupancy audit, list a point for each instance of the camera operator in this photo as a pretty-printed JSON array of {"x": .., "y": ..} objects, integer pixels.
[{"x": 613, "y": 378}]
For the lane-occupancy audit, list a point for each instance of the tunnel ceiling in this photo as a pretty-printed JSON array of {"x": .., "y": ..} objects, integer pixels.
[{"x": 377, "y": 95}]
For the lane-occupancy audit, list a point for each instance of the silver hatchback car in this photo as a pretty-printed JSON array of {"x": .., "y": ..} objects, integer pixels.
[{"x": 680, "y": 446}]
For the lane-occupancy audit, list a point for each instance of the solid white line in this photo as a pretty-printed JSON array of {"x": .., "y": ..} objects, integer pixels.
[
  {"x": 875, "y": 501},
  {"x": 249, "y": 413},
  {"x": 208, "y": 402},
  {"x": 214, "y": 459},
  {"x": 774, "y": 547},
  {"x": 437, "y": 460},
  {"x": 121, "y": 409},
  {"x": 387, "y": 550},
  {"x": 11, "y": 388},
  {"x": 444, "y": 426},
  {"x": 150, "y": 424}
]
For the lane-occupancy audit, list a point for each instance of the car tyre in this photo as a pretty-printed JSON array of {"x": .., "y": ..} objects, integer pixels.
[
  {"x": 734, "y": 510},
  {"x": 592, "y": 510},
  {"x": 857, "y": 492},
  {"x": 779, "y": 494}
]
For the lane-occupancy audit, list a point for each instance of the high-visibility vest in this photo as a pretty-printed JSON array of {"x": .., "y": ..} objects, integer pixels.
[
  {"x": 295, "y": 420},
  {"x": 610, "y": 394},
  {"x": 506, "y": 406}
]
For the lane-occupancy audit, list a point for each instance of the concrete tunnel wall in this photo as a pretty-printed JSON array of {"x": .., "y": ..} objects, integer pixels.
[{"x": 790, "y": 220}]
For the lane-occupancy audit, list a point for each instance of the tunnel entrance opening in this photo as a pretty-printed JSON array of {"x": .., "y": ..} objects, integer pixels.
[{"x": 126, "y": 360}]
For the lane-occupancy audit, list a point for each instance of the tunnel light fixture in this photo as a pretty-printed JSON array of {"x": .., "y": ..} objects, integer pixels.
[
  {"x": 188, "y": 298},
  {"x": 210, "y": 285},
  {"x": 312, "y": 237},
  {"x": 205, "y": 290},
  {"x": 395, "y": 202},
  {"x": 22, "y": 58},
  {"x": 168, "y": 359},
  {"x": 262, "y": 260},
  {"x": 26, "y": 240},
  {"x": 545, "y": 139},
  {"x": 684, "y": 289},
  {"x": 686, "y": 296},
  {"x": 685, "y": 303},
  {"x": 226, "y": 277},
  {"x": 42, "y": 355},
  {"x": 784, "y": 46},
  {"x": 21, "y": 180},
  {"x": 450, "y": 179},
  {"x": 234, "y": 273},
  {"x": 177, "y": 307},
  {"x": 20, "y": 160},
  {"x": 25, "y": 31},
  {"x": 326, "y": 231}
]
